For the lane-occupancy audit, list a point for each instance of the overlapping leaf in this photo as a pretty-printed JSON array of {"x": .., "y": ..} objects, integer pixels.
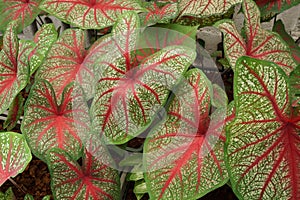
[
  {"x": 89, "y": 14},
  {"x": 93, "y": 180},
  {"x": 14, "y": 155},
  {"x": 275, "y": 6},
  {"x": 14, "y": 113},
  {"x": 157, "y": 13},
  {"x": 50, "y": 123},
  {"x": 184, "y": 155},
  {"x": 260, "y": 44},
  {"x": 295, "y": 49},
  {"x": 204, "y": 8},
  {"x": 21, "y": 11},
  {"x": 263, "y": 150},
  {"x": 129, "y": 93},
  {"x": 66, "y": 62},
  {"x": 14, "y": 68},
  {"x": 43, "y": 38},
  {"x": 295, "y": 87}
]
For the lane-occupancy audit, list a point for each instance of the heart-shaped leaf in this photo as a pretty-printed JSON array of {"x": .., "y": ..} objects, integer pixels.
[
  {"x": 93, "y": 180},
  {"x": 205, "y": 8},
  {"x": 129, "y": 93},
  {"x": 89, "y": 14},
  {"x": 14, "y": 68},
  {"x": 295, "y": 49},
  {"x": 15, "y": 155},
  {"x": 65, "y": 62},
  {"x": 49, "y": 123},
  {"x": 157, "y": 13},
  {"x": 44, "y": 38},
  {"x": 14, "y": 113},
  {"x": 21, "y": 11},
  {"x": 260, "y": 44},
  {"x": 185, "y": 153},
  {"x": 275, "y": 6},
  {"x": 263, "y": 149}
]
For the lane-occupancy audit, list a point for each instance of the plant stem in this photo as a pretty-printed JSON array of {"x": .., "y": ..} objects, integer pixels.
[{"x": 19, "y": 187}]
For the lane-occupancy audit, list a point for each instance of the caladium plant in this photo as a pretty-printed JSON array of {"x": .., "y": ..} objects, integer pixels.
[
  {"x": 264, "y": 146},
  {"x": 130, "y": 69}
]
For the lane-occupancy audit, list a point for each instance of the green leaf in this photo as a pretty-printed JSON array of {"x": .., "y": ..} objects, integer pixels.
[
  {"x": 20, "y": 11},
  {"x": 92, "y": 180},
  {"x": 43, "y": 38},
  {"x": 204, "y": 9},
  {"x": 14, "y": 69},
  {"x": 65, "y": 62},
  {"x": 15, "y": 155},
  {"x": 259, "y": 43},
  {"x": 263, "y": 148},
  {"x": 131, "y": 91},
  {"x": 14, "y": 113},
  {"x": 8, "y": 195},
  {"x": 272, "y": 7},
  {"x": 157, "y": 13},
  {"x": 295, "y": 86},
  {"x": 49, "y": 123},
  {"x": 295, "y": 49},
  {"x": 185, "y": 152},
  {"x": 89, "y": 14}
]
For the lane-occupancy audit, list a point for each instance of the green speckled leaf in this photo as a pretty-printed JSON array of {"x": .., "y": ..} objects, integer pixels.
[
  {"x": 91, "y": 181},
  {"x": 21, "y": 11},
  {"x": 15, "y": 155},
  {"x": 89, "y": 14},
  {"x": 14, "y": 68},
  {"x": 65, "y": 62},
  {"x": 273, "y": 7},
  {"x": 263, "y": 148},
  {"x": 49, "y": 123},
  {"x": 43, "y": 39},
  {"x": 157, "y": 13},
  {"x": 203, "y": 9},
  {"x": 259, "y": 43},
  {"x": 183, "y": 156},
  {"x": 14, "y": 113}
]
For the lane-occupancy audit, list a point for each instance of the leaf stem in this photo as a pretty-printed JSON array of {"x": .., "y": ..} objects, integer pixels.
[{"x": 19, "y": 187}]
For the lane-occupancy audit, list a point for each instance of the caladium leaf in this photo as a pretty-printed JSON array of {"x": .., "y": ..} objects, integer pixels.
[
  {"x": 129, "y": 92},
  {"x": 50, "y": 123},
  {"x": 204, "y": 8},
  {"x": 158, "y": 13},
  {"x": 14, "y": 68},
  {"x": 43, "y": 39},
  {"x": 89, "y": 14},
  {"x": 92, "y": 180},
  {"x": 8, "y": 195},
  {"x": 263, "y": 148},
  {"x": 295, "y": 86},
  {"x": 260, "y": 44},
  {"x": 21, "y": 11},
  {"x": 185, "y": 153},
  {"x": 14, "y": 113},
  {"x": 30, "y": 197},
  {"x": 275, "y": 6},
  {"x": 295, "y": 49},
  {"x": 65, "y": 62},
  {"x": 15, "y": 155}
]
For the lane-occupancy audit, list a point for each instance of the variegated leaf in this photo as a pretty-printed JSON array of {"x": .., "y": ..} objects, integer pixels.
[
  {"x": 91, "y": 181},
  {"x": 21, "y": 11},
  {"x": 44, "y": 38},
  {"x": 15, "y": 155},
  {"x": 14, "y": 68},
  {"x": 184, "y": 155},
  {"x": 263, "y": 149},
  {"x": 275, "y": 6},
  {"x": 89, "y": 14},
  {"x": 66, "y": 62},
  {"x": 14, "y": 113},
  {"x": 295, "y": 49},
  {"x": 157, "y": 13},
  {"x": 260, "y": 44},
  {"x": 203, "y": 9},
  {"x": 49, "y": 123}
]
